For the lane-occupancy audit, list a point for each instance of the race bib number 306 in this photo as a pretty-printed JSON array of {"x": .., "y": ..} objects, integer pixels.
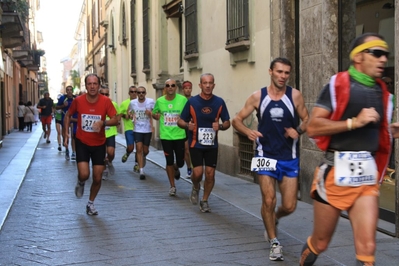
[
  {"x": 263, "y": 164},
  {"x": 354, "y": 169}
]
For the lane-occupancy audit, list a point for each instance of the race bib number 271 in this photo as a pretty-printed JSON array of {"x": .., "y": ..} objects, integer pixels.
[
  {"x": 263, "y": 164},
  {"x": 88, "y": 120}
]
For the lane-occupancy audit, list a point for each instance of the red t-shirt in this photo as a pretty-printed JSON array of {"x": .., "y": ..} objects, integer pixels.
[{"x": 88, "y": 113}]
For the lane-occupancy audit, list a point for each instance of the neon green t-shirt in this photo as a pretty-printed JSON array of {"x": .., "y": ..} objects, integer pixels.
[
  {"x": 170, "y": 112},
  {"x": 112, "y": 130},
  {"x": 57, "y": 113},
  {"x": 127, "y": 123}
]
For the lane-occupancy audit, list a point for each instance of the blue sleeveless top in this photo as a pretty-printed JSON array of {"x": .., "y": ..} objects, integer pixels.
[{"x": 273, "y": 117}]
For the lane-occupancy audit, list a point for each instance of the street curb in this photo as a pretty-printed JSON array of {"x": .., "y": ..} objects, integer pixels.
[{"x": 14, "y": 174}]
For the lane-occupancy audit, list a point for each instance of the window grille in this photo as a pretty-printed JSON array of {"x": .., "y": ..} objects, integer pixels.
[
  {"x": 190, "y": 14},
  {"x": 237, "y": 21},
  {"x": 246, "y": 152}
]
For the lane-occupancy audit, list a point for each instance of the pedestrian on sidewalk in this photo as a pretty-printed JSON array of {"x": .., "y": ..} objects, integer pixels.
[
  {"x": 277, "y": 144},
  {"x": 201, "y": 116},
  {"x": 110, "y": 133},
  {"x": 140, "y": 111},
  {"x": 64, "y": 103},
  {"x": 187, "y": 90},
  {"x": 29, "y": 115},
  {"x": 21, "y": 113},
  {"x": 350, "y": 122},
  {"x": 92, "y": 109},
  {"x": 167, "y": 110},
  {"x": 128, "y": 124},
  {"x": 46, "y": 115}
]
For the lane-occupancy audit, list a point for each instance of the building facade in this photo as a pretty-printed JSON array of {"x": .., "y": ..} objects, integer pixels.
[
  {"x": 19, "y": 61},
  {"x": 145, "y": 42}
]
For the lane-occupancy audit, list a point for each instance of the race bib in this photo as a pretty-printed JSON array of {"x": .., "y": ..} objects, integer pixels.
[
  {"x": 170, "y": 119},
  {"x": 263, "y": 164},
  {"x": 206, "y": 136},
  {"x": 354, "y": 169},
  {"x": 88, "y": 121}
]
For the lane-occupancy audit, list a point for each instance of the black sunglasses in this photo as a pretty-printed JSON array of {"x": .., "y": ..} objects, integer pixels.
[
  {"x": 377, "y": 53},
  {"x": 141, "y": 92},
  {"x": 106, "y": 94},
  {"x": 133, "y": 91},
  {"x": 170, "y": 85}
]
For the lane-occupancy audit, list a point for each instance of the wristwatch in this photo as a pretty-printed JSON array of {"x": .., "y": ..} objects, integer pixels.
[{"x": 221, "y": 126}]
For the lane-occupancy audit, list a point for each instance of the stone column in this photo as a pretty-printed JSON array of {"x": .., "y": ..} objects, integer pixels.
[
  {"x": 283, "y": 33},
  {"x": 320, "y": 51}
]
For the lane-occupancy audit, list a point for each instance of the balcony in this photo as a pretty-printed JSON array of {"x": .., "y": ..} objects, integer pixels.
[
  {"x": 12, "y": 30},
  {"x": 28, "y": 58}
]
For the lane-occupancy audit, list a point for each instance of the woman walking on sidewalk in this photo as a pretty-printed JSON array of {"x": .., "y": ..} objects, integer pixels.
[
  {"x": 29, "y": 115},
  {"x": 21, "y": 116}
]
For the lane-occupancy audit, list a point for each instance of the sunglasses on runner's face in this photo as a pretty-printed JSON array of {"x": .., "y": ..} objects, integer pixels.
[
  {"x": 170, "y": 85},
  {"x": 106, "y": 94},
  {"x": 141, "y": 92},
  {"x": 377, "y": 53},
  {"x": 133, "y": 91}
]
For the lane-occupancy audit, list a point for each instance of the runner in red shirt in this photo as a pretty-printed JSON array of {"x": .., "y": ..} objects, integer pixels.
[{"x": 92, "y": 109}]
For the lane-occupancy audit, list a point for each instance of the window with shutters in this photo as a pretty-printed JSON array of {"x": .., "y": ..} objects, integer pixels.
[
  {"x": 133, "y": 71},
  {"x": 124, "y": 26},
  {"x": 146, "y": 37},
  {"x": 190, "y": 14}
]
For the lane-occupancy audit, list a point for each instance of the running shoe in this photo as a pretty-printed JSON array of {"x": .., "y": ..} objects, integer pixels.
[
  {"x": 142, "y": 176},
  {"x": 73, "y": 157},
  {"x": 124, "y": 157},
  {"x": 177, "y": 174},
  {"x": 59, "y": 148},
  {"x": 105, "y": 174},
  {"x": 79, "y": 189},
  {"x": 194, "y": 196},
  {"x": 67, "y": 155},
  {"x": 111, "y": 168},
  {"x": 189, "y": 172},
  {"x": 276, "y": 252},
  {"x": 204, "y": 206},
  {"x": 91, "y": 210},
  {"x": 136, "y": 168},
  {"x": 172, "y": 191}
]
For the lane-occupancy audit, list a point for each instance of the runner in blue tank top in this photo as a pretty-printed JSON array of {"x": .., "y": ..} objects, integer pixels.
[
  {"x": 278, "y": 108},
  {"x": 201, "y": 116}
]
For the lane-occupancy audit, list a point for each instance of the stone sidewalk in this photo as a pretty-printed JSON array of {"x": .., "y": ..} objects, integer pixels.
[{"x": 42, "y": 222}]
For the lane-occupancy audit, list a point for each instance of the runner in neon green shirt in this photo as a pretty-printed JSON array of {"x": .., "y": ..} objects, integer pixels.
[
  {"x": 110, "y": 133},
  {"x": 167, "y": 110}
]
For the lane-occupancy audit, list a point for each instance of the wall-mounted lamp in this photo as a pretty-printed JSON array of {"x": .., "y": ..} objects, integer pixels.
[{"x": 388, "y": 6}]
